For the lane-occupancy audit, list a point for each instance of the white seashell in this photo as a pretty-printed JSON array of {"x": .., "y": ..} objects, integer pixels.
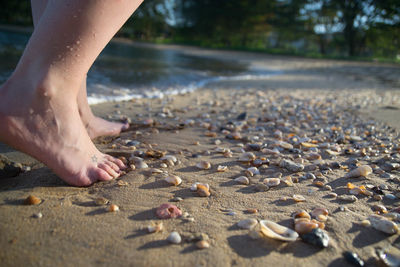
[
  {"x": 273, "y": 230},
  {"x": 154, "y": 228},
  {"x": 174, "y": 238},
  {"x": 252, "y": 171},
  {"x": 155, "y": 171},
  {"x": 222, "y": 168},
  {"x": 242, "y": 180},
  {"x": 163, "y": 165},
  {"x": 194, "y": 186},
  {"x": 141, "y": 165},
  {"x": 247, "y": 223},
  {"x": 271, "y": 182},
  {"x": 247, "y": 157},
  {"x": 168, "y": 158},
  {"x": 285, "y": 145},
  {"x": 298, "y": 198},
  {"x": 203, "y": 165},
  {"x": 382, "y": 224},
  {"x": 363, "y": 170},
  {"x": 173, "y": 179}
]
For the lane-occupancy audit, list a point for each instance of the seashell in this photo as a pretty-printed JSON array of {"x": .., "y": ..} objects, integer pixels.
[
  {"x": 361, "y": 171},
  {"x": 166, "y": 211},
  {"x": 155, "y": 171},
  {"x": 155, "y": 227},
  {"x": 308, "y": 145},
  {"x": 203, "y": 165},
  {"x": 301, "y": 214},
  {"x": 202, "y": 244},
  {"x": 141, "y": 165},
  {"x": 173, "y": 179},
  {"x": 247, "y": 223},
  {"x": 319, "y": 211},
  {"x": 379, "y": 208},
  {"x": 275, "y": 231},
  {"x": 113, "y": 208},
  {"x": 252, "y": 211},
  {"x": 318, "y": 183},
  {"x": 298, "y": 198},
  {"x": 382, "y": 224},
  {"x": 388, "y": 259},
  {"x": 32, "y": 200},
  {"x": 101, "y": 201},
  {"x": 163, "y": 165},
  {"x": 285, "y": 145},
  {"x": 228, "y": 154},
  {"x": 252, "y": 171},
  {"x": 347, "y": 198},
  {"x": 304, "y": 227},
  {"x": 169, "y": 160},
  {"x": 194, "y": 186},
  {"x": 365, "y": 223},
  {"x": 242, "y": 180},
  {"x": 203, "y": 190},
  {"x": 271, "y": 182},
  {"x": 316, "y": 237},
  {"x": 210, "y": 134},
  {"x": 37, "y": 215},
  {"x": 222, "y": 168},
  {"x": 288, "y": 180},
  {"x": 247, "y": 157},
  {"x": 174, "y": 238}
]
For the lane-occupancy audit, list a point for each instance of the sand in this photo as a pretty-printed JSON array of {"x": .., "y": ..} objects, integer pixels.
[{"x": 74, "y": 231}]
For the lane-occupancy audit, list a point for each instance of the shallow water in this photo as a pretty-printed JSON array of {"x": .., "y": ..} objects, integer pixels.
[{"x": 125, "y": 70}]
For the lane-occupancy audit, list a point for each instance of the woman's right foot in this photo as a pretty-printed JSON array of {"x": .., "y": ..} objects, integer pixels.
[{"x": 43, "y": 121}]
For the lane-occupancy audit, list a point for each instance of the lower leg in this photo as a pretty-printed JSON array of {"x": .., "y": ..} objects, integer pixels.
[
  {"x": 38, "y": 110},
  {"x": 94, "y": 125}
]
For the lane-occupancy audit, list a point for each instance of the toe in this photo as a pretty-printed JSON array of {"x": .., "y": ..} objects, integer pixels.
[
  {"x": 116, "y": 161},
  {"x": 103, "y": 175},
  {"x": 125, "y": 127},
  {"x": 108, "y": 169},
  {"x": 112, "y": 165}
]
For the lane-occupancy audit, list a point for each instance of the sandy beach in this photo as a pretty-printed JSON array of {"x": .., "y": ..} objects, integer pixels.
[{"x": 327, "y": 117}]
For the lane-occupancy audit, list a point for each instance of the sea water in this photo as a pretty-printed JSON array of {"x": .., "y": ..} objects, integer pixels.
[{"x": 126, "y": 70}]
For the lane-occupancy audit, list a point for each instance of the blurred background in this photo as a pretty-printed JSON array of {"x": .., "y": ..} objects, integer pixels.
[{"x": 368, "y": 29}]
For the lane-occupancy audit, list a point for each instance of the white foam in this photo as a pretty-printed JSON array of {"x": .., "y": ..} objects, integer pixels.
[{"x": 125, "y": 94}]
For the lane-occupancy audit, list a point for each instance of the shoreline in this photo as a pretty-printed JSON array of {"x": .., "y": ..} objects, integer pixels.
[{"x": 309, "y": 96}]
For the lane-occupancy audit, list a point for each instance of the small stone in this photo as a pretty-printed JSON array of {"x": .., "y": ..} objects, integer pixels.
[
  {"x": 316, "y": 237},
  {"x": 353, "y": 258},
  {"x": 328, "y": 187},
  {"x": 261, "y": 188},
  {"x": 174, "y": 238},
  {"x": 332, "y": 195},
  {"x": 176, "y": 199},
  {"x": 101, "y": 201},
  {"x": 32, "y": 200},
  {"x": 247, "y": 223},
  {"x": 347, "y": 198},
  {"x": 37, "y": 215},
  {"x": 390, "y": 196}
]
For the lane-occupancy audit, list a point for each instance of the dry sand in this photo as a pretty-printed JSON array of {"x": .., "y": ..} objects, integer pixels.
[{"x": 75, "y": 232}]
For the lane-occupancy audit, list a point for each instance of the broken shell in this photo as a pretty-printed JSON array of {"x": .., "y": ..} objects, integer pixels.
[
  {"x": 155, "y": 228},
  {"x": 271, "y": 182},
  {"x": 203, "y": 190},
  {"x": 247, "y": 157},
  {"x": 222, "y": 168},
  {"x": 173, "y": 179},
  {"x": 273, "y": 230},
  {"x": 101, "y": 201},
  {"x": 203, "y": 165},
  {"x": 252, "y": 171},
  {"x": 32, "y": 200},
  {"x": 113, "y": 208},
  {"x": 202, "y": 244},
  {"x": 298, "y": 198},
  {"x": 166, "y": 211},
  {"x": 363, "y": 171},
  {"x": 194, "y": 186},
  {"x": 242, "y": 180},
  {"x": 319, "y": 211},
  {"x": 382, "y": 224},
  {"x": 304, "y": 227},
  {"x": 174, "y": 238},
  {"x": 247, "y": 223},
  {"x": 301, "y": 214}
]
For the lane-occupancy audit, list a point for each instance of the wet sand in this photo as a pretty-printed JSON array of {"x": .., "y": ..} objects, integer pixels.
[{"x": 311, "y": 95}]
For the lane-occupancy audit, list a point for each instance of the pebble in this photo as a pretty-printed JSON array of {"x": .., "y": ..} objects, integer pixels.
[
  {"x": 247, "y": 223},
  {"x": 390, "y": 196},
  {"x": 113, "y": 208},
  {"x": 174, "y": 238},
  {"x": 353, "y": 258},
  {"x": 316, "y": 237},
  {"x": 37, "y": 215},
  {"x": 347, "y": 198},
  {"x": 202, "y": 244},
  {"x": 291, "y": 166},
  {"x": 32, "y": 200},
  {"x": 242, "y": 180},
  {"x": 101, "y": 201}
]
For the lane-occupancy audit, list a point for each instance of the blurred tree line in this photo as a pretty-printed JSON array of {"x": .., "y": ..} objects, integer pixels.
[{"x": 368, "y": 28}]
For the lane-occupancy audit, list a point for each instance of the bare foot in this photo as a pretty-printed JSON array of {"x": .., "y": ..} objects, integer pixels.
[
  {"x": 44, "y": 122},
  {"x": 96, "y": 126}
]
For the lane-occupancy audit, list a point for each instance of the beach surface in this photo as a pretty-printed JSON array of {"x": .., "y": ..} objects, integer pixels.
[{"x": 327, "y": 116}]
